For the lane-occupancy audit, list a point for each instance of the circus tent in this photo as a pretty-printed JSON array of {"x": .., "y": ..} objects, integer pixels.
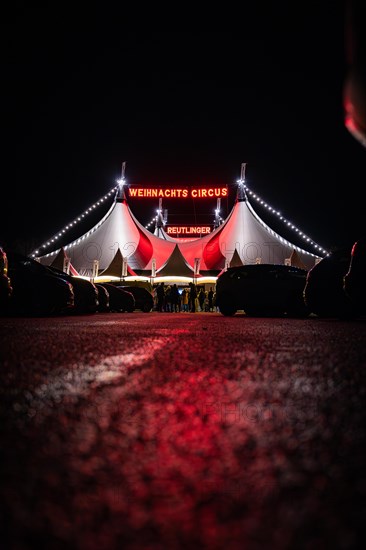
[
  {"x": 243, "y": 238},
  {"x": 117, "y": 230},
  {"x": 254, "y": 241}
]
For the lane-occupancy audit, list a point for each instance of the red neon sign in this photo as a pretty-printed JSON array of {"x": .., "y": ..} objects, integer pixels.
[
  {"x": 188, "y": 230},
  {"x": 177, "y": 192}
]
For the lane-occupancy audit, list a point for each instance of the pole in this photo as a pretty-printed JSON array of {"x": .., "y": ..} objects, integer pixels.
[{"x": 242, "y": 174}]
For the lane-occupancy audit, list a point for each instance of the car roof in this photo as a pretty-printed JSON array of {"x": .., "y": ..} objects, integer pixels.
[
  {"x": 264, "y": 267},
  {"x": 135, "y": 288},
  {"x": 115, "y": 290}
]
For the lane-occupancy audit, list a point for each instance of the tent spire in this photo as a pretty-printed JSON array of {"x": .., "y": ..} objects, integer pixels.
[
  {"x": 159, "y": 220},
  {"x": 121, "y": 195},
  {"x": 217, "y": 220},
  {"x": 241, "y": 195},
  {"x": 242, "y": 173}
]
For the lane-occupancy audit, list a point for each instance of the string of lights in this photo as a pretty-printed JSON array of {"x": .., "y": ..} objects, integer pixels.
[
  {"x": 288, "y": 223},
  {"x": 67, "y": 227},
  {"x": 154, "y": 220}
]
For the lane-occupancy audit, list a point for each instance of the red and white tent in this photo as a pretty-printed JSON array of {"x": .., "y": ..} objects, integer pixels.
[{"x": 243, "y": 237}]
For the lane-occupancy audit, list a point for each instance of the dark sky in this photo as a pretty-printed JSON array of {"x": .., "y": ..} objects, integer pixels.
[{"x": 80, "y": 95}]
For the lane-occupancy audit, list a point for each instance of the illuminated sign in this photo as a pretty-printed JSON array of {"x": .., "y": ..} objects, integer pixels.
[
  {"x": 178, "y": 193},
  {"x": 187, "y": 230}
]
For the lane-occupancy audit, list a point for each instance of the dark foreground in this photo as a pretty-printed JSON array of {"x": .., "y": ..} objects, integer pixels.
[{"x": 159, "y": 431}]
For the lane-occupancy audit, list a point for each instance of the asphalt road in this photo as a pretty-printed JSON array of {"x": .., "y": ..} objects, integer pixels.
[{"x": 158, "y": 431}]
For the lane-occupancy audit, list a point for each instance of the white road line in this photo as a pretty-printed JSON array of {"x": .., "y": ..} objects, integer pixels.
[{"x": 76, "y": 381}]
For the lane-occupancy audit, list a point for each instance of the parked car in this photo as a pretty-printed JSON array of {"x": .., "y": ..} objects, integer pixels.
[
  {"x": 143, "y": 298},
  {"x": 354, "y": 281},
  {"x": 5, "y": 284},
  {"x": 324, "y": 292},
  {"x": 86, "y": 293},
  {"x": 119, "y": 299},
  {"x": 36, "y": 290},
  {"x": 262, "y": 290},
  {"x": 103, "y": 298}
]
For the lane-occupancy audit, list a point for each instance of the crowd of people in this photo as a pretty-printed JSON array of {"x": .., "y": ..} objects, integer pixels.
[{"x": 190, "y": 299}]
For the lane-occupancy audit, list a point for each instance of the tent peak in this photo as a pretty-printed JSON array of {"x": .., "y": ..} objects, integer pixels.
[
  {"x": 121, "y": 195},
  {"x": 241, "y": 193}
]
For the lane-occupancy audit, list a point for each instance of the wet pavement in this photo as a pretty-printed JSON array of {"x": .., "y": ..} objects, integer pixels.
[{"x": 158, "y": 431}]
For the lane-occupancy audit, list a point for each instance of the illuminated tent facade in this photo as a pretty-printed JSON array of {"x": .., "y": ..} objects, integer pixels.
[
  {"x": 246, "y": 237},
  {"x": 118, "y": 230},
  {"x": 243, "y": 238}
]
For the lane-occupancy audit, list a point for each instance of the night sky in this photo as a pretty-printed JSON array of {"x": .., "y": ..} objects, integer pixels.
[{"x": 81, "y": 95}]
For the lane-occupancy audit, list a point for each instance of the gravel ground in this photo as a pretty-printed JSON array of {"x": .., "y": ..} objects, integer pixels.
[{"x": 158, "y": 431}]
